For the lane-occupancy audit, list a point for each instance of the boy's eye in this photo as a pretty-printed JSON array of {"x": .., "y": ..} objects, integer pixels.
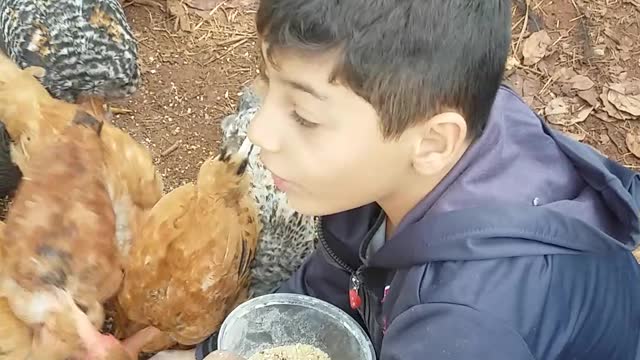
[{"x": 302, "y": 121}]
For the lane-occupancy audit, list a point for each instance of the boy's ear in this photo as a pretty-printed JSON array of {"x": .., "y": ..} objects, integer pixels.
[{"x": 439, "y": 142}]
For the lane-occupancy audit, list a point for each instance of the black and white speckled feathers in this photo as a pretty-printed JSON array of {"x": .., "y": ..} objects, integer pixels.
[{"x": 86, "y": 46}]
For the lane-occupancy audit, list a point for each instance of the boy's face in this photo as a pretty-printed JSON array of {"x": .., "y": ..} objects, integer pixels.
[{"x": 322, "y": 142}]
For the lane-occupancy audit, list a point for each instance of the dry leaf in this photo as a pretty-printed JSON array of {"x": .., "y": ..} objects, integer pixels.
[
  {"x": 605, "y": 117},
  {"x": 512, "y": 63},
  {"x": 178, "y": 10},
  {"x": 623, "y": 98},
  {"x": 617, "y": 136},
  {"x": 530, "y": 87},
  {"x": 557, "y": 106},
  {"x": 570, "y": 119},
  {"x": 590, "y": 96},
  {"x": 581, "y": 82},
  {"x": 610, "y": 109},
  {"x": 208, "y": 5},
  {"x": 633, "y": 2},
  {"x": 534, "y": 48},
  {"x": 633, "y": 143},
  {"x": 564, "y": 74},
  {"x": 583, "y": 114},
  {"x": 205, "y": 5}
]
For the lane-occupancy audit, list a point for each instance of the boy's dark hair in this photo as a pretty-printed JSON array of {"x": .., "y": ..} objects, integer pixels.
[{"x": 410, "y": 59}]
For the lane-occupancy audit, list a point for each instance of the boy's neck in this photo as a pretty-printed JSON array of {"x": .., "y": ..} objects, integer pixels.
[{"x": 411, "y": 192}]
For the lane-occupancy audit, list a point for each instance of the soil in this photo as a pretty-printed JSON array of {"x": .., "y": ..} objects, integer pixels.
[{"x": 192, "y": 79}]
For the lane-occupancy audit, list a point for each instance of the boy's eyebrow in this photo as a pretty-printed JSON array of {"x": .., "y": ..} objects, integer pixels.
[
  {"x": 305, "y": 88},
  {"x": 294, "y": 84}
]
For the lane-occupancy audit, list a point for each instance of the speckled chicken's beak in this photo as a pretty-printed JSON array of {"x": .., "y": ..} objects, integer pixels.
[{"x": 245, "y": 161}]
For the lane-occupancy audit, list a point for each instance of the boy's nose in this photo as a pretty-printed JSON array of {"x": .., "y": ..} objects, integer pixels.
[{"x": 263, "y": 130}]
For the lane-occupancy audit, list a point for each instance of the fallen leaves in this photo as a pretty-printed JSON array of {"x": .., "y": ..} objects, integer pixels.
[
  {"x": 625, "y": 97},
  {"x": 535, "y": 47},
  {"x": 559, "y": 112},
  {"x": 633, "y": 143},
  {"x": 207, "y": 5},
  {"x": 178, "y": 9},
  {"x": 581, "y": 82},
  {"x": 590, "y": 96}
]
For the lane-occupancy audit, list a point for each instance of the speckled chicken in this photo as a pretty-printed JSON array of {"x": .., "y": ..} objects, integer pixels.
[
  {"x": 86, "y": 46},
  {"x": 189, "y": 264},
  {"x": 287, "y": 237}
]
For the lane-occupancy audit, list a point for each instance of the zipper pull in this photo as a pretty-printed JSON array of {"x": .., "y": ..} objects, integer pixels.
[{"x": 354, "y": 292}]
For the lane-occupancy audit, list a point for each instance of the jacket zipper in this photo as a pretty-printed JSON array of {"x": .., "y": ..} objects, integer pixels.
[{"x": 355, "y": 300}]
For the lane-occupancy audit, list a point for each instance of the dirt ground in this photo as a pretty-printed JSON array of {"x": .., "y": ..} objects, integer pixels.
[{"x": 192, "y": 79}]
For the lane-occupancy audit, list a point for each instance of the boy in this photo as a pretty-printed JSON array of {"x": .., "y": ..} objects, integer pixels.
[{"x": 456, "y": 225}]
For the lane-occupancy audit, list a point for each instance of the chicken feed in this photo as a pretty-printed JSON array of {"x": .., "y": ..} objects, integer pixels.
[{"x": 291, "y": 352}]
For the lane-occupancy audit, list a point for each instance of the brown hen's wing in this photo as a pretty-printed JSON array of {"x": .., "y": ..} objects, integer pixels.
[
  {"x": 218, "y": 273},
  {"x": 129, "y": 168},
  {"x": 164, "y": 224}
]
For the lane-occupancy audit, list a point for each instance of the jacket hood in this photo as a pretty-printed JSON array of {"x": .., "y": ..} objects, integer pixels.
[{"x": 520, "y": 189}]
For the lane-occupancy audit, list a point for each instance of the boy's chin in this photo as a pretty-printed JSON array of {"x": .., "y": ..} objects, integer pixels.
[{"x": 312, "y": 206}]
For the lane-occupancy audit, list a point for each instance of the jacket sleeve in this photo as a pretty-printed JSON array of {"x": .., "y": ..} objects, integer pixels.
[
  {"x": 443, "y": 331},
  {"x": 317, "y": 277}
]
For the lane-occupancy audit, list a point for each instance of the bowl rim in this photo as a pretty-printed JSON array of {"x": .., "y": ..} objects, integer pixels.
[{"x": 325, "y": 307}]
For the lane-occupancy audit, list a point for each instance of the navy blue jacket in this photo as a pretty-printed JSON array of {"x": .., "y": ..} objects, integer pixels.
[{"x": 522, "y": 252}]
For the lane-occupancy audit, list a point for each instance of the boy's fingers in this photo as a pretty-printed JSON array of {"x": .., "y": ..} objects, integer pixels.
[
  {"x": 223, "y": 355},
  {"x": 137, "y": 341}
]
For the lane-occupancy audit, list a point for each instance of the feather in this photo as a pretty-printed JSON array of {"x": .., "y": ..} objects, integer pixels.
[{"x": 87, "y": 47}]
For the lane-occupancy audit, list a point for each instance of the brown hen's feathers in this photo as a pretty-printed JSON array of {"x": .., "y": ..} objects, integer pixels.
[
  {"x": 133, "y": 181},
  {"x": 27, "y": 110},
  {"x": 189, "y": 265},
  {"x": 15, "y": 335},
  {"x": 60, "y": 227}
]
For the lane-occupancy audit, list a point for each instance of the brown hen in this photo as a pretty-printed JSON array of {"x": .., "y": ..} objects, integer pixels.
[
  {"x": 190, "y": 264},
  {"x": 60, "y": 233},
  {"x": 31, "y": 115},
  {"x": 27, "y": 110}
]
